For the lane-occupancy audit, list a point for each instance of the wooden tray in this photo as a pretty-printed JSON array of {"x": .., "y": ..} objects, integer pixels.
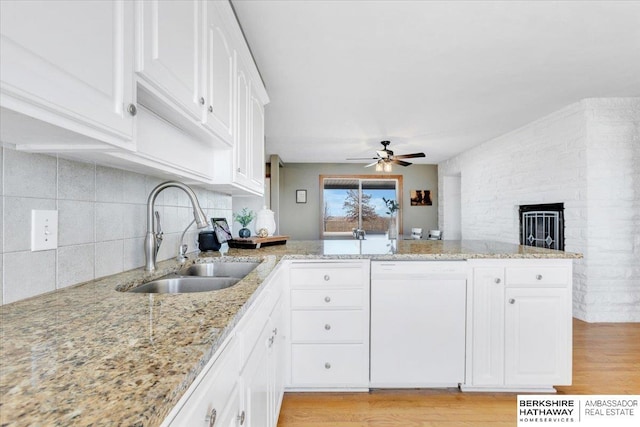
[{"x": 256, "y": 242}]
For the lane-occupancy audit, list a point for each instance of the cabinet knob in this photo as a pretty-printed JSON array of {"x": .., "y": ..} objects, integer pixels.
[
  {"x": 327, "y": 299},
  {"x": 538, "y": 276},
  {"x": 201, "y": 101},
  {"x": 497, "y": 280},
  {"x": 512, "y": 301},
  {"x": 326, "y": 278},
  {"x": 327, "y": 327},
  {"x": 211, "y": 417},
  {"x": 327, "y": 365},
  {"x": 239, "y": 170},
  {"x": 270, "y": 342},
  {"x": 241, "y": 418},
  {"x": 132, "y": 109},
  {"x": 210, "y": 109}
]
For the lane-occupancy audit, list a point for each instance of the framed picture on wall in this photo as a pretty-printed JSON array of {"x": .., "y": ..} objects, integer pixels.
[
  {"x": 301, "y": 196},
  {"x": 421, "y": 198}
]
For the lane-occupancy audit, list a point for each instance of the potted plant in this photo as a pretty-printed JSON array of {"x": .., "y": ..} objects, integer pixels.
[
  {"x": 393, "y": 207},
  {"x": 244, "y": 218}
]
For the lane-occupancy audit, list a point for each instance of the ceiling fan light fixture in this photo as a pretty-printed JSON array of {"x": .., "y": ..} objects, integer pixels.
[
  {"x": 387, "y": 167},
  {"x": 379, "y": 166}
]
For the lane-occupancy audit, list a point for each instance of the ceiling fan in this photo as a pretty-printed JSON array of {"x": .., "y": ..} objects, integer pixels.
[{"x": 385, "y": 158}]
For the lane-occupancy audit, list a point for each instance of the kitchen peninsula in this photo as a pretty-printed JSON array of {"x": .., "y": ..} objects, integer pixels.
[{"x": 90, "y": 354}]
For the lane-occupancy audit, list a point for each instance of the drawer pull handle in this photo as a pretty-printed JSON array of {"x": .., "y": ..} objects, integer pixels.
[
  {"x": 327, "y": 299},
  {"x": 241, "y": 418},
  {"x": 538, "y": 276},
  {"x": 512, "y": 301},
  {"x": 327, "y": 326},
  {"x": 211, "y": 418},
  {"x": 497, "y": 280},
  {"x": 326, "y": 278},
  {"x": 275, "y": 331},
  {"x": 327, "y": 365}
]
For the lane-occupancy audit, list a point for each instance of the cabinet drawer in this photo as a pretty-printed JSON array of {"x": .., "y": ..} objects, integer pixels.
[
  {"x": 329, "y": 365},
  {"x": 543, "y": 276},
  {"x": 327, "y": 298},
  {"x": 214, "y": 390},
  {"x": 327, "y": 326},
  {"x": 327, "y": 275}
]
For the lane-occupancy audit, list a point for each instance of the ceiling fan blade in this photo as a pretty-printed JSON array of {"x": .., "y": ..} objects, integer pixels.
[
  {"x": 400, "y": 162},
  {"x": 362, "y": 158},
  {"x": 371, "y": 164},
  {"x": 410, "y": 156}
]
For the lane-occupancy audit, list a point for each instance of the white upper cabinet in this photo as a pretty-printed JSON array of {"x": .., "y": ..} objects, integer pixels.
[
  {"x": 169, "y": 55},
  {"x": 219, "y": 74},
  {"x": 257, "y": 142},
  {"x": 242, "y": 151},
  {"x": 67, "y": 74}
]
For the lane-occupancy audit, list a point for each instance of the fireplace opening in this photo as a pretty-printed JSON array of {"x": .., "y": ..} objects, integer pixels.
[{"x": 542, "y": 225}]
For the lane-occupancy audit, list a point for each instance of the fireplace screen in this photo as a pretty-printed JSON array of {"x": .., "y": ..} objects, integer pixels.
[{"x": 542, "y": 226}]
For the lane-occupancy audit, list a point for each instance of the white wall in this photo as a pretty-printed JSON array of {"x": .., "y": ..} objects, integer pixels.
[
  {"x": 102, "y": 221},
  {"x": 586, "y": 156}
]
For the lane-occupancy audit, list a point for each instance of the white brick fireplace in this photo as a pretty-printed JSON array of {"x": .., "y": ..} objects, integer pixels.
[{"x": 587, "y": 156}]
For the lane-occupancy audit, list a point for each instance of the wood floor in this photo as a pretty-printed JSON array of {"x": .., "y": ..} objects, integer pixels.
[{"x": 606, "y": 360}]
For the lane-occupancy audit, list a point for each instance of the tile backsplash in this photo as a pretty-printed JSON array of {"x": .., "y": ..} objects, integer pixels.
[{"x": 101, "y": 221}]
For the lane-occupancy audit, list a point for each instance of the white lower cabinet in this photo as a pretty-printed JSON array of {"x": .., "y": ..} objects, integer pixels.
[
  {"x": 216, "y": 395},
  {"x": 520, "y": 323},
  {"x": 243, "y": 385},
  {"x": 329, "y": 318},
  {"x": 262, "y": 375}
]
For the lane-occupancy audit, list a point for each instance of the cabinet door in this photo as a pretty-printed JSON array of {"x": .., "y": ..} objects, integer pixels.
[
  {"x": 537, "y": 337},
  {"x": 215, "y": 392},
  {"x": 277, "y": 360},
  {"x": 256, "y": 382},
  {"x": 242, "y": 152},
  {"x": 257, "y": 143},
  {"x": 170, "y": 52},
  {"x": 232, "y": 415},
  {"x": 69, "y": 63},
  {"x": 219, "y": 74},
  {"x": 488, "y": 326}
]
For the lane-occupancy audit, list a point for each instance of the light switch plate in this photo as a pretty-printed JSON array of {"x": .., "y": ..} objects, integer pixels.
[{"x": 44, "y": 230}]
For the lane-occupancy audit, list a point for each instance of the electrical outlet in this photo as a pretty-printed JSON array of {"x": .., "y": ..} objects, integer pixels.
[{"x": 44, "y": 230}]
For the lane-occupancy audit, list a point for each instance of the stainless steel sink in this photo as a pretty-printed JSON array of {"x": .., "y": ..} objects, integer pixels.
[
  {"x": 199, "y": 278},
  {"x": 236, "y": 269},
  {"x": 176, "y": 285}
]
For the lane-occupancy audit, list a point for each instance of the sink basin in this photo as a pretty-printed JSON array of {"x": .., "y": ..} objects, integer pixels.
[
  {"x": 199, "y": 278},
  {"x": 177, "y": 285},
  {"x": 220, "y": 269}
]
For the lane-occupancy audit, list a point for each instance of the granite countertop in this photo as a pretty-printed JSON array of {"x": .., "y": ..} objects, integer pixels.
[{"x": 91, "y": 355}]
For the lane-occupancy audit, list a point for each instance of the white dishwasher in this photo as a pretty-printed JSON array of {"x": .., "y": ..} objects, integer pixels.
[{"x": 418, "y": 311}]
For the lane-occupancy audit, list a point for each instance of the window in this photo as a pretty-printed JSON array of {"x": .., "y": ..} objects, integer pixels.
[{"x": 350, "y": 202}]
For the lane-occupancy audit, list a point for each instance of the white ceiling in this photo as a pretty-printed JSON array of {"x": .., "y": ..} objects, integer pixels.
[{"x": 432, "y": 76}]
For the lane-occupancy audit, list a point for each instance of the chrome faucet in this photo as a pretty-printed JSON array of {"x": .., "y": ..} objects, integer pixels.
[
  {"x": 358, "y": 233},
  {"x": 153, "y": 239}
]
